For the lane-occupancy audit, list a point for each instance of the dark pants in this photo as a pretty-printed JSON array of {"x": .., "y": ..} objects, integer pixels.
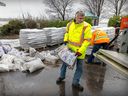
[
  {"x": 78, "y": 72},
  {"x": 96, "y": 47}
]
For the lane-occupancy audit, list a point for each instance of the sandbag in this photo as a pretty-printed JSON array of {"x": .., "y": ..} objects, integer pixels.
[
  {"x": 18, "y": 62},
  {"x": 6, "y": 48},
  {"x": 57, "y": 50},
  {"x": 33, "y": 65},
  {"x": 39, "y": 55},
  {"x": 6, "y": 58},
  {"x": 34, "y": 53},
  {"x": 51, "y": 58},
  {"x": 28, "y": 58},
  {"x": 4, "y": 68},
  {"x": 16, "y": 53},
  {"x": 1, "y": 51}
]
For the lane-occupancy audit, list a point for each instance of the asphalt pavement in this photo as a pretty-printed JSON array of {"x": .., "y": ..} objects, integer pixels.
[{"x": 97, "y": 80}]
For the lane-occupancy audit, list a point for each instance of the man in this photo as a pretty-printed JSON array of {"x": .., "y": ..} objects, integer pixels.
[
  {"x": 99, "y": 40},
  {"x": 77, "y": 38}
]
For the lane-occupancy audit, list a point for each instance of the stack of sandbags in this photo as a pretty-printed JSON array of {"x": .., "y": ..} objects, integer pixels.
[
  {"x": 62, "y": 32},
  {"x": 32, "y": 38},
  {"x": 48, "y": 32},
  {"x": 12, "y": 42},
  {"x": 54, "y": 35},
  {"x": 110, "y": 31}
]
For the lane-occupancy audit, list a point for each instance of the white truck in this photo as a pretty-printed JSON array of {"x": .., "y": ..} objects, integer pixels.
[{"x": 117, "y": 60}]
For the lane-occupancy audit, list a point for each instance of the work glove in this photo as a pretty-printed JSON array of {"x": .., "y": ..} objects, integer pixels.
[
  {"x": 65, "y": 42},
  {"x": 78, "y": 54}
]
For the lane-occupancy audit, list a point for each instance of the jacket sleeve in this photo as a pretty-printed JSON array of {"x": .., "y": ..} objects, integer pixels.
[
  {"x": 93, "y": 38},
  {"x": 66, "y": 34},
  {"x": 87, "y": 38}
]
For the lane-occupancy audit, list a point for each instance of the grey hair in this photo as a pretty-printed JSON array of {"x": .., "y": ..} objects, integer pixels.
[{"x": 80, "y": 13}]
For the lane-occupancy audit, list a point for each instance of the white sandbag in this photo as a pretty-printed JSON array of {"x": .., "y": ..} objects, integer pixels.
[
  {"x": 60, "y": 48},
  {"x": 33, "y": 65},
  {"x": 6, "y": 48},
  {"x": 11, "y": 67},
  {"x": 6, "y": 58},
  {"x": 67, "y": 56},
  {"x": 39, "y": 55},
  {"x": 32, "y": 51},
  {"x": 18, "y": 62},
  {"x": 53, "y": 52},
  {"x": 44, "y": 53},
  {"x": 51, "y": 58},
  {"x": 4, "y": 68},
  {"x": 28, "y": 58},
  {"x": 13, "y": 42},
  {"x": 1, "y": 51},
  {"x": 16, "y": 53},
  {"x": 89, "y": 50}
]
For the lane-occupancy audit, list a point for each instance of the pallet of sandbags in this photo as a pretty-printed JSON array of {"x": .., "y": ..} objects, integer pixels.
[
  {"x": 54, "y": 35},
  {"x": 35, "y": 38}
]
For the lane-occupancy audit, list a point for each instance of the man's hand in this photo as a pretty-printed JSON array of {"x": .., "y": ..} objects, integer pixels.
[
  {"x": 78, "y": 54},
  {"x": 65, "y": 42}
]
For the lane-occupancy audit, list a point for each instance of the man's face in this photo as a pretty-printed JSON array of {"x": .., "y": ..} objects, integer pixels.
[{"x": 79, "y": 19}]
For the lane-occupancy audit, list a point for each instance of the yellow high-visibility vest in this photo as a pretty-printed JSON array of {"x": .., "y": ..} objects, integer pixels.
[{"x": 78, "y": 37}]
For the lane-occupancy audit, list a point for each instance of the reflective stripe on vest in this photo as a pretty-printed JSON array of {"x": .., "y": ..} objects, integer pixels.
[
  {"x": 81, "y": 39},
  {"x": 68, "y": 27},
  {"x": 87, "y": 40},
  {"x": 99, "y": 37}
]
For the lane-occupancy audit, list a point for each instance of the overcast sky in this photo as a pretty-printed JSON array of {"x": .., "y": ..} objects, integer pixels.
[{"x": 15, "y": 8}]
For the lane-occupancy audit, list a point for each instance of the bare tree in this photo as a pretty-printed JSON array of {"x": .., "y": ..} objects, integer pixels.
[
  {"x": 2, "y": 4},
  {"x": 118, "y": 6},
  {"x": 95, "y": 7},
  {"x": 59, "y": 8},
  {"x": 126, "y": 9}
]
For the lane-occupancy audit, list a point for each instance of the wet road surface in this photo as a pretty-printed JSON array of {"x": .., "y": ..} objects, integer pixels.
[{"x": 97, "y": 80}]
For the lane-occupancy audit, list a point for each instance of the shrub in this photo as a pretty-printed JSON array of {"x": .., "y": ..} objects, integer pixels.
[
  {"x": 5, "y": 29},
  {"x": 114, "y": 21},
  {"x": 42, "y": 23},
  {"x": 30, "y": 23},
  {"x": 15, "y": 26},
  {"x": 57, "y": 23},
  {"x": 54, "y": 23},
  {"x": 12, "y": 27}
]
